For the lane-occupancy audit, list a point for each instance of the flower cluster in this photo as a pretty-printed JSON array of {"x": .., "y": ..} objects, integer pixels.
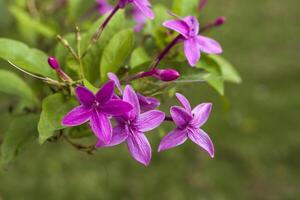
[
  {"x": 126, "y": 115},
  {"x": 135, "y": 114}
]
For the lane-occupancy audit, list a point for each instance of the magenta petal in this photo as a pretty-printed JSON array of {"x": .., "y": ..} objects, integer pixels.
[
  {"x": 147, "y": 103},
  {"x": 193, "y": 25},
  {"x": 179, "y": 26},
  {"x": 208, "y": 45},
  {"x": 116, "y": 80},
  {"x": 191, "y": 51},
  {"x": 199, "y": 137},
  {"x": 184, "y": 102},
  {"x": 116, "y": 107},
  {"x": 101, "y": 126},
  {"x": 119, "y": 136},
  {"x": 139, "y": 148},
  {"x": 180, "y": 116},
  {"x": 103, "y": 7},
  {"x": 144, "y": 8},
  {"x": 84, "y": 96},
  {"x": 130, "y": 96},
  {"x": 77, "y": 116},
  {"x": 149, "y": 120},
  {"x": 173, "y": 139},
  {"x": 201, "y": 114},
  {"x": 106, "y": 92}
]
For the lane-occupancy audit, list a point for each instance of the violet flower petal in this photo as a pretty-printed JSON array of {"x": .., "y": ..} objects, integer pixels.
[
  {"x": 139, "y": 148},
  {"x": 192, "y": 51},
  {"x": 180, "y": 116},
  {"x": 79, "y": 115},
  {"x": 147, "y": 103},
  {"x": 116, "y": 107},
  {"x": 184, "y": 102},
  {"x": 208, "y": 45},
  {"x": 130, "y": 96},
  {"x": 116, "y": 80},
  {"x": 193, "y": 25},
  {"x": 179, "y": 26},
  {"x": 149, "y": 120},
  {"x": 101, "y": 126},
  {"x": 144, "y": 8},
  {"x": 201, "y": 138},
  {"x": 119, "y": 136},
  {"x": 173, "y": 139},
  {"x": 139, "y": 18},
  {"x": 106, "y": 92},
  {"x": 201, "y": 114},
  {"x": 85, "y": 96},
  {"x": 103, "y": 7}
]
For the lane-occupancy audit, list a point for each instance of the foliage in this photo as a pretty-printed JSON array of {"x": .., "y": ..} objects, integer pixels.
[{"x": 119, "y": 50}]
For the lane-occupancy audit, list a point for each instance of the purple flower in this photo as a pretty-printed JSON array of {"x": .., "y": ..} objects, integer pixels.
[
  {"x": 97, "y": 109},
  {"x": 146, "y": 103},
  {"x": 143, "y": 5},
  {"x": 103, "y": 6},
  {"x": 188, "y": 122},
  {"x": 131, "y": 127},
  {"x": 188, "y": 27}
]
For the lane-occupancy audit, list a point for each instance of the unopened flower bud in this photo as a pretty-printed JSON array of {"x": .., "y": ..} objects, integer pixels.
[
  {"x": 53, "y": 63},
  {"x": 219, "y": 21},
  {"x": 166, "y": 74}
]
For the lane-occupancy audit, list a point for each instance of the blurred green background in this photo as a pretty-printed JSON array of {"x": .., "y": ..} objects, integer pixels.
[{"x": 255, "y": 128}]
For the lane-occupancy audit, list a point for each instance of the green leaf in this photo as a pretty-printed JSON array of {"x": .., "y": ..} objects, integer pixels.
[
  {"x": 138, "y": 57},
  {"x": 12, "y": 84},
  {"x": 31, "y": 60},
  {"x": 53, "y": 110},
  {"x": 116, "y": 52},
  {"x": 228, "y": 71},
  {"x": 30, "y": 23},
  {"x": 90, "y": 86},
  {"x": 21, "y": 132},
  {"x": 92, "y": 59},
  {"x": 214, "y": 77}
]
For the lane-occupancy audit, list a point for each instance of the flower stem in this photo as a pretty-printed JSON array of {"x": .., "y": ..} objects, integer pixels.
[
  {"x": 155, "y": 63},
  {"x": 99, "y": 31},
  {"x": 164, "y": 52},
  {"x": 78, "y": 39}
]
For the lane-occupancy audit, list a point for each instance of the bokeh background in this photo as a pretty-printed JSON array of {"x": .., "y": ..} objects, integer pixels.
[{"x": 255, "y": 128}]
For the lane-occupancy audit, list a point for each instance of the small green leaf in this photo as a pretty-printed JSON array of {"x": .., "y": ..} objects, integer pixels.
[
  {"x": 116, "y": 52},
  {"x": 53, "y": 110},
  {"x": 32, "y": 60},
  {"x": 92, "y": 60},
  {"x": 138, "y": 57},
  {"x": 214, "y": 77},
  {"x": 12, "y": 84},
  {"x": 90, "y": 86},
  {"x": 228, "y": 71},
  {"x": 21, "y": 132},
  {"x": 30, "y": 23}
]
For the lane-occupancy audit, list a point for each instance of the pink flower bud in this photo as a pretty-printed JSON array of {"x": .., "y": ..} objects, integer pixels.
[
  {"x": 166, "y": 74},
  {"x": 54, "y": 63},
  {"x": 219, "y": 21}
]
